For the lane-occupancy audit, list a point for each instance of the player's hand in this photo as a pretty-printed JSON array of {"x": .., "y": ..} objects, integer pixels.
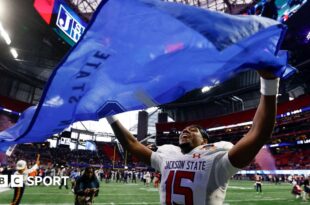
[{"x": 266, "y": 74}]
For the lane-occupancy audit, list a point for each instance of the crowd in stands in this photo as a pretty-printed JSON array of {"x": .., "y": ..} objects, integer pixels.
[
  {"x": 290, "y": 143},
  {"x": 289, "y": 146},
  {"x": 62, "y": 155},
  {"x": 106, "y": 175},
  {"x": 289, "y": 130}
]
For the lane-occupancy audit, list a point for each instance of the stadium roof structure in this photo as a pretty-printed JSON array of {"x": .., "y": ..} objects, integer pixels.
[
  {"x": 39, "y": 49},
  {"x": 152, "y": 120},
  {"x": 241, "y": 92},
  {"x": 85, "y": 8}
]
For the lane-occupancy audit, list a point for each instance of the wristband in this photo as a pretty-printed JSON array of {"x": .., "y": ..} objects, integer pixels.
[
  {"x": 269, "y": 87},
  {"x": 111, "y": 119}
]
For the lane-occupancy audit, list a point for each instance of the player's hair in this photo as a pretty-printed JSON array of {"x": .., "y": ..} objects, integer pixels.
[
  {"x": 87, "y": 170},
  {"x": 203, "y": 132}
]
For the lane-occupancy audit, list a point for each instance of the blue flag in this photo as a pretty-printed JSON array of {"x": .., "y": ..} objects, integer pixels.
[{"x": 137, "y": 53}]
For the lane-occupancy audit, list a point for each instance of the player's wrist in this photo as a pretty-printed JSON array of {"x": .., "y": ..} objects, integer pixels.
[
  {"x": 269, "y": 87},
  {"x": 111, "y": 119}
]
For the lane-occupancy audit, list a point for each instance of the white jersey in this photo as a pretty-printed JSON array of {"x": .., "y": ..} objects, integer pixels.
[
  {"x": 27, "y": 172},
  {"x": 199, "y": 177}
]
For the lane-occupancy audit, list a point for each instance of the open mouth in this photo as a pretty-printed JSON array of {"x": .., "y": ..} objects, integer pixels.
[{"x": 184, "y": 138}]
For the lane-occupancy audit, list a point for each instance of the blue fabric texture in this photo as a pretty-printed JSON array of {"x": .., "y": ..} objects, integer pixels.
[{"x": 139, "y": 53}]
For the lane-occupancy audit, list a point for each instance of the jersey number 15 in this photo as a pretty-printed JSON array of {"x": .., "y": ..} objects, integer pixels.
[{"x": 177, "y": 177}]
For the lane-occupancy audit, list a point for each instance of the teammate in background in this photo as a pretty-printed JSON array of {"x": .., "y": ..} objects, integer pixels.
[
  {"x": 296, "y": 190},
  {"x": 86, "y": 188},
  {"x": 62, "y": 173},
  {"x": 258, "y": 183},
  {"x": 118, "y": 176},
  {"x": 21, "y": 167},
  {"x": 198, "y": 173},
  {"x": 147, "y": 177},
  {"x": 306, "y": 188},
  {"x": 107, "y": 175},
  {"x": 144, "y": 178},
  {"x": 156, "y": 179},
  {"x": 74, "y": 175},
  {"x": 134, "y": 177},
  {"x": 277, "y": 180},
  {"x": 101, "y": 174}
]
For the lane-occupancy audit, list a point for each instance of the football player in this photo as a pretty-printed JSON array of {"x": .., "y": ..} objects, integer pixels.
[{"x": 196, "y": 172}]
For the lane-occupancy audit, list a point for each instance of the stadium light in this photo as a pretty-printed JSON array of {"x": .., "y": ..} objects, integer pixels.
[
  {"x": 10, "y": 111},
  {"x": 5, "y": 35},
  {"x": 206, "y": 89},
  {"x": 237, "y": 99},
  {"x": 214, "y": 82},
  {"x": 14, "y": 53},
  {"x": 230, "y": 126},
  {"x": 308, "y": 36}
]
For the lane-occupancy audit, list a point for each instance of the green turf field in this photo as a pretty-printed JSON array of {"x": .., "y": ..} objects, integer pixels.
[{"x": 239, "y": 193}]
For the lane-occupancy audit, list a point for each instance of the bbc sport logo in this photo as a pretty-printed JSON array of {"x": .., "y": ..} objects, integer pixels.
[{"x": 18, "y": 181}]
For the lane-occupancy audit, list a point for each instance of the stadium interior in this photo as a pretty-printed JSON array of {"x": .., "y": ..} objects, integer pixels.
[{"x": 36, "y": 46}]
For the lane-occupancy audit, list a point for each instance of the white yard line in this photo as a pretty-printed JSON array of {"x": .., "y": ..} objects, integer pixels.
[
  {"x": 4, "y": 189},
  {"x": 238, "y": 187},
  {"x": 253, "y": 200}
]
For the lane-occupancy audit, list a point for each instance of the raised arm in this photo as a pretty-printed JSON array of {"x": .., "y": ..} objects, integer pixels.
[
  {"x": 129, "y": 142},
  {"x": 247, "y": 147}
]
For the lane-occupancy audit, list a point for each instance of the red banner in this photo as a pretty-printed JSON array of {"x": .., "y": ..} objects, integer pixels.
[
  {"x": 11, "y": 104},
  {"x": 45, "y": 9},
  {"x": 234, "y": 118}
]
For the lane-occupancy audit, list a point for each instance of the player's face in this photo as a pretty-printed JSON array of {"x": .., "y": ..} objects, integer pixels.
[{"x": 192, "y": 136}]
